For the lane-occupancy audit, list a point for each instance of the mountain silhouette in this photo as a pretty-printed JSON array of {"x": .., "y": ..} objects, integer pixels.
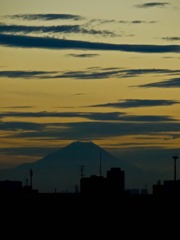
[{"x": 61, "y": 170}]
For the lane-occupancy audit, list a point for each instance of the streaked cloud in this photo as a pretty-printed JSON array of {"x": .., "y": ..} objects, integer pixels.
[
  {"x": 110, "y": 21},
  {"x": 4, "y": 28},
  {"x": 152, "y": 4},
  {"x": 106, "y": 116},
  {"x": 28, "y": 151},
  {"x": 134, "y": 103},
  {"x": 136, "y": 22},
  {"x": 91, "y": 130},
  {"x": 90, "y": 73},
  {"x": 171, "y": 38},
  {"x": 49, "y": 17},
  {"x": 19, "y": 107},
  {"x": 25, "y": 74},
  {"x": 17, "y": 126},
  {"x": 83, "y": 55},
  {"x": 46, "y": 17},
  {"x": 171, "y": 83},
  {"x": 59, "y": 44}
]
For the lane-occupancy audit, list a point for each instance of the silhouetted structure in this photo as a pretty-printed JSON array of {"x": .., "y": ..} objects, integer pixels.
[
  {"x": 113, "y": 183},
  {"x": 7, "y": 187},
  {"x": 31, "y": 175},
  {"x": 28, "y": 189},
  {"x": 115, "y": 180},
  {"x": 169, "y": 187},
  {"x": 16, "y": 187},
  {"x": 175, "y": 157}
]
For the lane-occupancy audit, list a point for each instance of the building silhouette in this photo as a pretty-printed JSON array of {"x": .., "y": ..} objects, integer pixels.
[
  {"x": 113, "y": 183},
  {"x": 8, "y": 187},
  {"x": 168, "y": 187}
]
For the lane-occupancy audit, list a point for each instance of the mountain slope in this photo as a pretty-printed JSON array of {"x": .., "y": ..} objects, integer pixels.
[{"x": 60, "y": 170}]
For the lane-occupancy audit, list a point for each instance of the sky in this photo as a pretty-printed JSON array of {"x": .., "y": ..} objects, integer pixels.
[{"x": 100, "y": 70}]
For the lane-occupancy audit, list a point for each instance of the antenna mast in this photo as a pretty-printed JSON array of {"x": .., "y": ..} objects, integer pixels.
[
  {"x": 175, "y": 157},
  {"x": 31, "y": 174}
]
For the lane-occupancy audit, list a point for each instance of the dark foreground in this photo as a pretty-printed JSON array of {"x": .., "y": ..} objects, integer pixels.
[{"x": 77, "y": 216}]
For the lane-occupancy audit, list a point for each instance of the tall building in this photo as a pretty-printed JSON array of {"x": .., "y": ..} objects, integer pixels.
[{"x": 114, "y": 182}]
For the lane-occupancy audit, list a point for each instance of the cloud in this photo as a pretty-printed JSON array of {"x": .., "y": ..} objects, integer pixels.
[
  {"x": 51, "y": 29},
  {"x": 138, "y": 72},
  {"x": 100, "y": 21},
  {"x": 49, "y": 17},
  {"x": 95, "y": 130},
  {"x": 171, "y": 83},
  {"x": 59, "y": 44},
  {"x": 16, "y": 126},
  {"x": 27, "y": 151},
  {"x": 40, "y": 114},
  {"x": 83, "y": 55},
  {"x": 46, "y": 17},
  {"x": 25, "y": 74},
  {"x": 152, "y": 4},
  {"x": 19, "y": 107},
  {"x": 140, "y": 22},
  {"x": 90, "y": 73},
  {"x": 123, "y": 117},
  {"x": 171, "y": 38},
  {"x": 79, "y": 94},
  {"x": 134, "y": 103},
  {"x": 94, "y": 74},
  {"x": 100, "y": 116}
]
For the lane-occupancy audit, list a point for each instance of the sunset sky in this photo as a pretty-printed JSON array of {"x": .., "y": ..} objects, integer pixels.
[{"x": 100, "y": 70}]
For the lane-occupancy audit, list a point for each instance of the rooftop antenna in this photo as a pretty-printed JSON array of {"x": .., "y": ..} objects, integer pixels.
[
  {"x": 31, "y": 174},
  {"x": 175, "y": 157}
]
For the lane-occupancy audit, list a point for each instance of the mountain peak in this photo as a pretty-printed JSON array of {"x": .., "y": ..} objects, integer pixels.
[
  {"x": 61, "y": 169},
  {"x": 80, "y": 150},
  {"x": 82, "y": 144}
]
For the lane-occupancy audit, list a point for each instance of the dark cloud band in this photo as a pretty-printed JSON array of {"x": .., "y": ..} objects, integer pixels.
[
  {"x": 46, "y": 16},
  {"x": 152, "y": 4},
  {"x": 59, "y": 44}
]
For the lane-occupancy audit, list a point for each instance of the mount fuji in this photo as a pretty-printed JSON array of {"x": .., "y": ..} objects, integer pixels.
[{"x": 61, "y": 170}]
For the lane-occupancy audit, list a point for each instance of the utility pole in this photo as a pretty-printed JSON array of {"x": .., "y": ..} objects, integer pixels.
[
  {"x": 175, "y": 157},
  {"x": 31, "y": 174}
]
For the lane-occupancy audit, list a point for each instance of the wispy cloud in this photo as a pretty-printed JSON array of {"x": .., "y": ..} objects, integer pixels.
[
  {"x": 25, "y": 74},
  {"x": 17, "y": 126},
  {"x": 19, "y": 107},
  {"x": 83, "y": 55},
  {"x": 46, "y": 17},
  {"x": 4, "y": 28},
  {"x": 100, "y": 116},
  {"x": 134, "y": 103},
  {"x": 171, "y": 83},
  {"x": 28, "y": 151},
  {"x": 136, "y": 22},
  {"x": 171, "y": 38},
  {"x": 152, "y": 4},
  {"x": 49, "y": 17},
  {"x": 59, "y": 44},
  {"x": 90, "y": 73},
  {"x": 102, "y": 21},
  {"x": 91, "y": 130}
]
